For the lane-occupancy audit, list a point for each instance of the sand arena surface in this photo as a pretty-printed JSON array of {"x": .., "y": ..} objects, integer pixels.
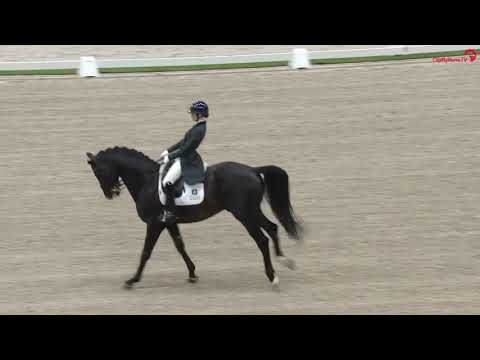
[{"x": 383, "y": 162}]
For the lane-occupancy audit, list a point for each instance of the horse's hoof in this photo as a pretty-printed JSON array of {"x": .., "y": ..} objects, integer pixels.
[
  {"x": 193, "y": 279},
  {"x": 276, "y": 283},
  {"x": 287, "y": 262},
  {"x": 128, "y": 285}
]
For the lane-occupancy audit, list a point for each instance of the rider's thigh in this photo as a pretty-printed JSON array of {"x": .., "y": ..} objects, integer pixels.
[{"x": 173, "y": 173}]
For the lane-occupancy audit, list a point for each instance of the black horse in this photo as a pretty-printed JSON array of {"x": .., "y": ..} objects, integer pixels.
[{"x": 229, "y": 186}]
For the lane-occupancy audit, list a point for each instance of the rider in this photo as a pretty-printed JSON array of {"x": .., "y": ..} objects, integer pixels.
[{"x": 185, "y": 157}]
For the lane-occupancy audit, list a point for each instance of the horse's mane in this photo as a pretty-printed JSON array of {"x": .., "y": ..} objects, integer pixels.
[{"x": 138, "y": 158}]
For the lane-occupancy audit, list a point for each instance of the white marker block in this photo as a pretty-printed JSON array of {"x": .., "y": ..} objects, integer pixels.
[
  {"x": 88, "y": 67},
  {"x": 300, "y": 59}
]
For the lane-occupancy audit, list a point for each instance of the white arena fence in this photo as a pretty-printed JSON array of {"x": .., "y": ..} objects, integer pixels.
[{"x": 233, "y": 59}]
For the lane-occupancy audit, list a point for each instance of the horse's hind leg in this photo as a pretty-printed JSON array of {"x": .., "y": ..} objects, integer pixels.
[
  {"x": 178, "y": 241},
  {"x": 272, "y": 231},
  {"x": 154, "y": 229},
  {"x": 253, "y": 227}
]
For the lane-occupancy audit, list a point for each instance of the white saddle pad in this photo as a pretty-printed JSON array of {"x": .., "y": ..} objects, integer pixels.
[{"x": 192, "y": 194}]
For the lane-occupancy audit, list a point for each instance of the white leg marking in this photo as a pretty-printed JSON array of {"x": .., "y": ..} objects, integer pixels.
[{"x": 276, "y": 283}]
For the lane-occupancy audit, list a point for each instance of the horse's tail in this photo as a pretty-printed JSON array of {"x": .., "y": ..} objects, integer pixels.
[{"x": 278, "y": 195}]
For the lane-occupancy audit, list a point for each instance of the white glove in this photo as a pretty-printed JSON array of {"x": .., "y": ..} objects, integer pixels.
[{"x": 163, "y": 157}]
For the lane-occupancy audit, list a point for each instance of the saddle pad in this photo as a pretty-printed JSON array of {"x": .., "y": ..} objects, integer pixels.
[{"x": 191, "y": 194}]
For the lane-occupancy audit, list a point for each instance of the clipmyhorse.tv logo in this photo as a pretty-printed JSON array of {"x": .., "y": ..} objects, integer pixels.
[{"x": 469, "y": 56}]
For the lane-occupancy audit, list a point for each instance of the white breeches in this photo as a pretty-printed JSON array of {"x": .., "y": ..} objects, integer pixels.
[{"x": 173, "y": 173}]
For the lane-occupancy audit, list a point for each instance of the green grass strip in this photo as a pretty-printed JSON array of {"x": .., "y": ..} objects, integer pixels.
[
  {"x": 194, "y": 67},
  {"x": 39, "y": 72},
  {"x": 387, "y": 57},
  {"x": 266, "y": 64}
]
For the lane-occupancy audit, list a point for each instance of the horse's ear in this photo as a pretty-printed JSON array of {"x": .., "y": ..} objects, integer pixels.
[{"x": 92, "y": 158}]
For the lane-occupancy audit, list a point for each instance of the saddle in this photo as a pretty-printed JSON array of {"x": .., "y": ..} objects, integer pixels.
[{"x": 184, "y": 193}]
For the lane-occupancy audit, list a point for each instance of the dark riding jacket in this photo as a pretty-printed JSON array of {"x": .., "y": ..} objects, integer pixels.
[{"x": 192, "y": 164}]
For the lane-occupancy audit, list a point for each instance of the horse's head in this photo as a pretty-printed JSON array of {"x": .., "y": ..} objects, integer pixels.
[{"x": 107, "y": 174}]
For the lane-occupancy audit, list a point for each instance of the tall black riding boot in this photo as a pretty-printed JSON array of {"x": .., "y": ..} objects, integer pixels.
[{"x": 169, "y": 213}]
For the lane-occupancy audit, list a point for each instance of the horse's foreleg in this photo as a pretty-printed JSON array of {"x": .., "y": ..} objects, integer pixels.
[
  {"x": 154, "y": 229},
  {"x": 178, "y": 241}
]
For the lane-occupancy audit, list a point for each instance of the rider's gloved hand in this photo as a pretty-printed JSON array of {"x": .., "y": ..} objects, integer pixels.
[{"x": 163, "y": 157}]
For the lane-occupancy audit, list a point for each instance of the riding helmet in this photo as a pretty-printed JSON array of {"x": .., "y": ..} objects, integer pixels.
[{"x": 199, "y": 107}]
